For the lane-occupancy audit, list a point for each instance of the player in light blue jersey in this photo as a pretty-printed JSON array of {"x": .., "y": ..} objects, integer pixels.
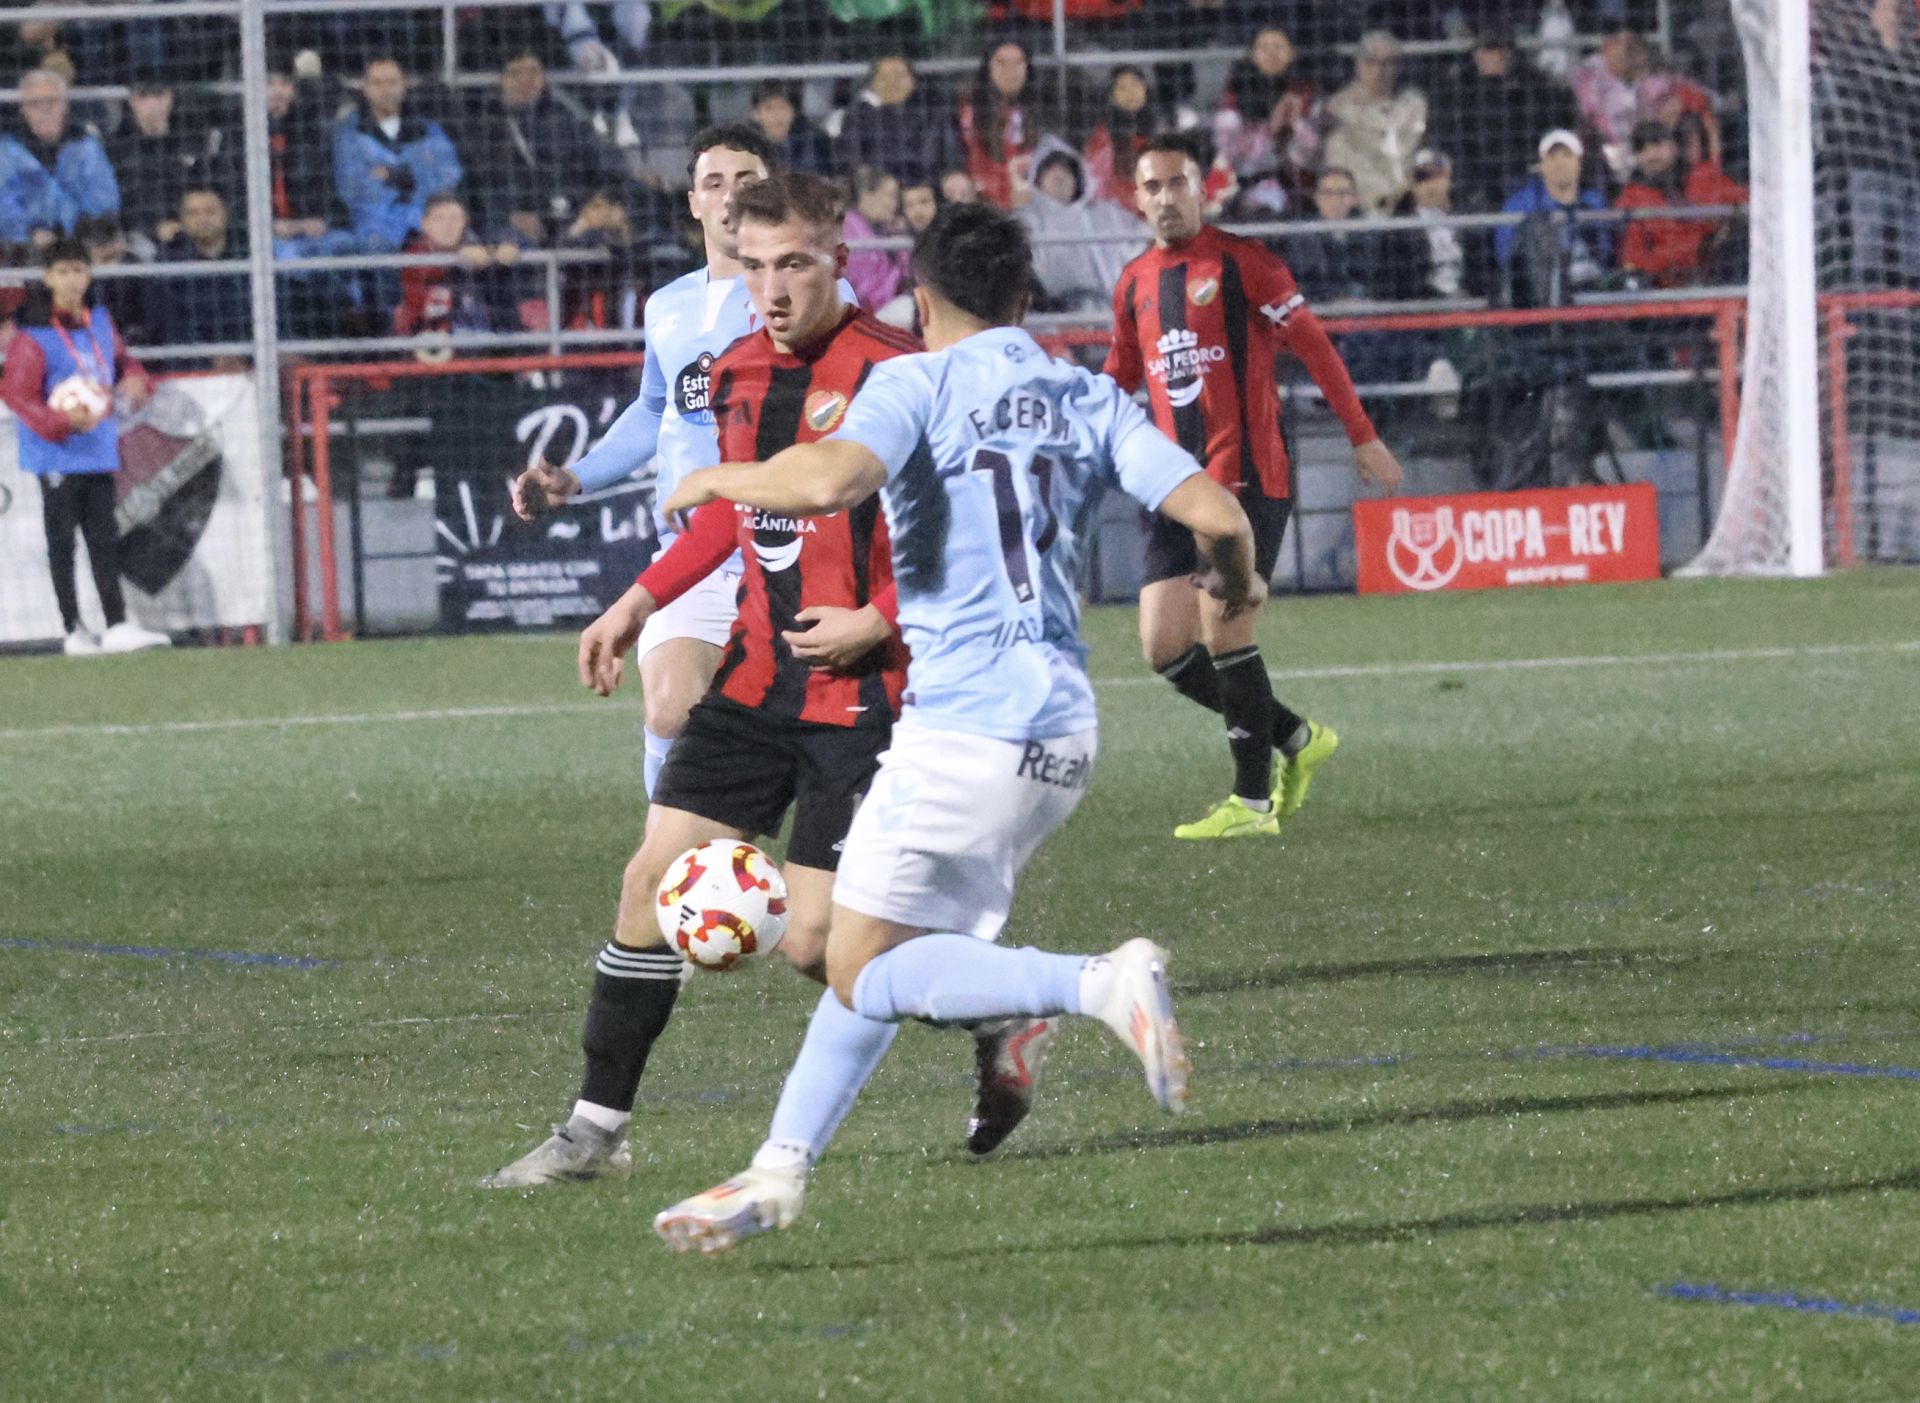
[
  {"x": 990, "y": 458},
  {"x": 687, "y": 323}
]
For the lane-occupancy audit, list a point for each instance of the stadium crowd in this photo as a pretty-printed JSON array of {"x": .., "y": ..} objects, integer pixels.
[{"x": 369, "y": 157}]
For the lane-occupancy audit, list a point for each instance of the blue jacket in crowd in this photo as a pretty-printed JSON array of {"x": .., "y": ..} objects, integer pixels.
[
  {"x": 420, "y": 162},
  {"x": 1532, "y": 198},
  {"x": 50, "y": 187}
]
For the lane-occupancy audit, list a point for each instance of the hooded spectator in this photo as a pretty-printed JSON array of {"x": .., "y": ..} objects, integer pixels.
[
  {"x": 893, "y": 126},
  {"x": 52, "y": 171},
  {"x": 1375, "y": 125},
  {"x": 1269, "y": 123},
  {"x": 388, "y": 162},
  {"x": 1081, "y": 241}
]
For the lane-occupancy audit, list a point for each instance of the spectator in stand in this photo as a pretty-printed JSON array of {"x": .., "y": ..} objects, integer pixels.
[
  {"x": 126, "y": 299},
  {"x": 1867, "y": 126},
  {"x": 300, "y": 162},
  {"x": 1671, "y": 252},
  {"x": 600, "y": 296},
  {"x": 1618, "y": 88},
  {"x": 1487, "y": 113},
  {"x": 1129, "y": 122},
  {"x": 1374, "y": 125},
  {"x": 800, "y": 144},
  {"x": 1081, "y": 241},
  {"x": 877, "y": 275},
  {"x": 75, "y": 450},
  {"x": 388, "y": 162},
  {"x": 957, "y": 188},
  {"x": 52, "y": 171},
  {"x": 535, "y": 161},
  {"x": 468, "y": 296},
  {"x": 160, "y": 152},
  {"x": 217, "y": 307},
  {"x": 919, "y": 203},
  {"x": 579, "y": 29},
  {"x": 1440, "y": 260},
  {"x": 1269, "y": 123},
  {"x": 894, "y": 126},
  {"x": 1002, "y": 118},
  {"x": 1552, "y": 254},
  {"x": 1347, "y": 265}
]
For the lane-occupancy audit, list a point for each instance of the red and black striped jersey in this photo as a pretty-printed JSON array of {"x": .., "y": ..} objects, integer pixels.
[
  {"x": 765, "y": 400},
  {"x": 1202, "y": 326}
]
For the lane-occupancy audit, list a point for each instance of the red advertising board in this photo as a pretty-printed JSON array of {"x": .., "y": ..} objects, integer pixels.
[{"x": 1490, "y": 540}]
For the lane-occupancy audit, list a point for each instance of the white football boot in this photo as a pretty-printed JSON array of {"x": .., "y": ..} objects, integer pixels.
[
  {"x": 1137, "y": 1003},
  {"x": 752, "y": 1201},
  {"x": 80, "y": 644},
  {"x": 128, "y": 637},
  {"x": 575, "y": 1153}
]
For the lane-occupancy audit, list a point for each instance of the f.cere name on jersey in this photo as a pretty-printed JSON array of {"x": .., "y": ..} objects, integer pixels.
[
  {"x": 1181, "y": 362},
  {"x": 1025, "y": 412}
]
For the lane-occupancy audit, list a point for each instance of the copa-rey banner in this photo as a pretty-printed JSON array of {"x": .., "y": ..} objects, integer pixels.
[
  {"x": 191, "y": 514},
  {"x": 1492, "y": 540},
  {"x": 498, "y": 572}
]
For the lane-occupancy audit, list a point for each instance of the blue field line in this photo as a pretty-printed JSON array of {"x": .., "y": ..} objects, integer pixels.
[
  {"x": 1707, "y": 1057},
  {"x": 163, "y": 952},
  {"x": 1787, "y": 1300}
]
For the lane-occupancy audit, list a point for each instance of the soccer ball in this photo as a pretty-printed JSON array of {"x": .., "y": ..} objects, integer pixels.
[
  {"x": 721, "y": 902},
  {"x": 78, "y": 392}
]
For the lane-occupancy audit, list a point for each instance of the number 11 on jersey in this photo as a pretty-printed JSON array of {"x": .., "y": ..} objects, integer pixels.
[{"x": 1006, "y": 498}]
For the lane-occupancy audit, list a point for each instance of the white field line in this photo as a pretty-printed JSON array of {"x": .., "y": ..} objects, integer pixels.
[
  {"x": 1139, "y": 679},
  {"x": 285, "y": 1028}
]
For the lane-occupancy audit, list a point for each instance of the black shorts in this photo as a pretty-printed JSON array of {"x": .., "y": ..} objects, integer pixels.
[
  {"x": 742, "y": 768},
  {"x": 1172, "y": 555}
]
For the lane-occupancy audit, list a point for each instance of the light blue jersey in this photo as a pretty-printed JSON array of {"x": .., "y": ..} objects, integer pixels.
[
  {"x": 688, "y": 323},
  {"x": 996, "y": 458}
]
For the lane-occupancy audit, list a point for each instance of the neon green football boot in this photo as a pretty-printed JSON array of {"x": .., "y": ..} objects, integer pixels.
[
  {"x": 1231, "y": 818},
  {"x": 1294, "y": 773}
]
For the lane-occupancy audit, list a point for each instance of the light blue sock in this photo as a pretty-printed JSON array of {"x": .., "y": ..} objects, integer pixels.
[
  {"x": 839, "y": 1054},
  {"x": 657, "y": 748},
  {"x": 956, "y": 978}
]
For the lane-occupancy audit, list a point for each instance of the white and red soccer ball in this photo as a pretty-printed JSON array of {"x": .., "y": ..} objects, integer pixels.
[
  {"x": 721, "y": 902},
  {"x": 78, "y": 392}
]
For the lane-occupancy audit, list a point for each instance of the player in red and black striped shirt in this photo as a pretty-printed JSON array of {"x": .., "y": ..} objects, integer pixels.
[
  {"x": 1201, "y": 319},
  {"x": 800, "y": 710}
]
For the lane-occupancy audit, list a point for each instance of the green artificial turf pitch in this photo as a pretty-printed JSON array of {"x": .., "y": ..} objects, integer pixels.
[{"x": 1565, "y": 1045}]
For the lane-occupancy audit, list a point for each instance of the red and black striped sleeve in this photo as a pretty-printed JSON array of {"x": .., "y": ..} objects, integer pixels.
[{"x": 1299, "y": 332}]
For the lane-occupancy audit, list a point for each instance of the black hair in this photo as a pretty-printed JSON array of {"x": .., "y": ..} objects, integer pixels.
[
  {"x": 735, "y": 136},
  {"x": 772, "y": 87},
  {"x": 65, "y": 249},
  {"x": 1173, "y": 144},
  {"x": 1074, "y": 168},
  {"x": 978, "y": 258}
]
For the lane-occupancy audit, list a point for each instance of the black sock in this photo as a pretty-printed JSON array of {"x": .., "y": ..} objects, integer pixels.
[
  {"x": 1192, "y": 676},
  {"x": 1246, "y": 703},
  {"x": 633, "y": 994},
  {"x": 1193, "y": 679}
]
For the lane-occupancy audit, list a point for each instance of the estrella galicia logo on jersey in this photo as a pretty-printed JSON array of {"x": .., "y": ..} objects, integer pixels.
[
  {"x": 1180, "y": 363},
  {"x": 1203, "y": 292},
  {"x": 823, "y": 410},
  {"x": 693, "y": 393}
]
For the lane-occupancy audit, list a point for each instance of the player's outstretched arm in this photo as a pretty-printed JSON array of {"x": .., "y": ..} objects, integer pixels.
[
  {"x": 604, "y": 643},
  {"x": 541, "y": 488},
  {"x": 1225, "y": 539},
  {"x": 808, "y": 479}
]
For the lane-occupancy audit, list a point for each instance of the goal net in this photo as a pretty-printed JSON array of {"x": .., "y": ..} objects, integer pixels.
[{"x": 1826, "y": 463}]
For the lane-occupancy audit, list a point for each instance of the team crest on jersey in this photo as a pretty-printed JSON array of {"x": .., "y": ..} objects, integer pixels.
[
  {"x": 693, "y": 393},
  {"x": 1204, "y": 291},
  {"x": 823, "y": 410}
]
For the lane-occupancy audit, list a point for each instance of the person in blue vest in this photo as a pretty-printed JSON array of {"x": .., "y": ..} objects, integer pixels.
[
  {"x": 68, "y": 354},
  {"x": 388, "y": 161}
]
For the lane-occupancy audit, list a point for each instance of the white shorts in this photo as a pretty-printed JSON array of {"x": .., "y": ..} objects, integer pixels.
[
  {"x": 950, "y": 820},
  {"x": 704, "y": 612}
]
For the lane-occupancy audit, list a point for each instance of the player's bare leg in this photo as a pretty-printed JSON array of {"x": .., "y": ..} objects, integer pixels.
[
  {"x": 674, "y": 674},
  {"x": 957, "y": 978}
]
